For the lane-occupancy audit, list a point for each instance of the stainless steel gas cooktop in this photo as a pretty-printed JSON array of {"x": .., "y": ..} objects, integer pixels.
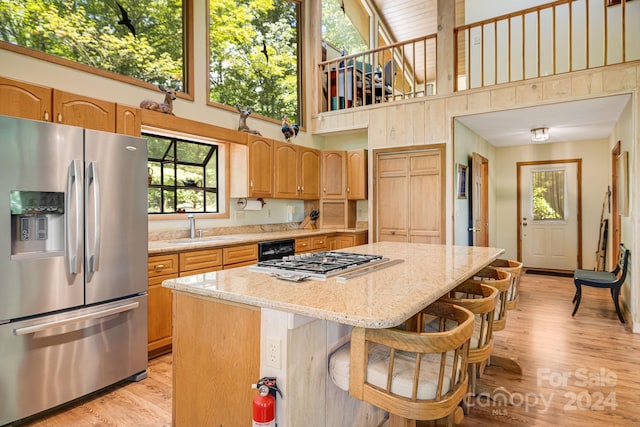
[{"x": 319, "y": 265}]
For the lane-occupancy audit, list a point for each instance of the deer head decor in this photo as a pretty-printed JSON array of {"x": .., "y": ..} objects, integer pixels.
[
  {"x": 165, "y": 107},
  {"x": 242, "y": 124}
]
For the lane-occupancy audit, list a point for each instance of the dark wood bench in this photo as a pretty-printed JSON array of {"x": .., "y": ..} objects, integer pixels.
[{"x": 603, "y": 279}]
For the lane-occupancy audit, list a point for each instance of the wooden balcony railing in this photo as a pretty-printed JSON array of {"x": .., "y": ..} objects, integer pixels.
[
  {"x": 386, "y": 74},
  {"x": 555, "y": 38},
  {"x": 550, "y": 39}
]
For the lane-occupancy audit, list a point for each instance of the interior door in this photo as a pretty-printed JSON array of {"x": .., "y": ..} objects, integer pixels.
[
  {"x": 479, "y": 227},
  {"x": 549, "y": 215}
]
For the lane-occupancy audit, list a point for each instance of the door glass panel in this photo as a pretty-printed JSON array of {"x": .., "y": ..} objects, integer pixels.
[{"x": 548, "y": 189}]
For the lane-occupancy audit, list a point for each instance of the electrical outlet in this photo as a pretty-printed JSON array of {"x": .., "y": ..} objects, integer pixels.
[{"x": 273, "y": 352}]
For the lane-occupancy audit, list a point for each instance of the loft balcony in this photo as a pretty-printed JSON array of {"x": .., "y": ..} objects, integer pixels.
[{"x": 559, "y": 37}]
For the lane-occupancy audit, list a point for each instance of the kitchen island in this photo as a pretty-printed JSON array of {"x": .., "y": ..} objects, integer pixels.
[{"x": 233, "y": 327}]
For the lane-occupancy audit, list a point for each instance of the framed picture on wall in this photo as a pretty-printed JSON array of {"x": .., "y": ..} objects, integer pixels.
[{"x": 461, "y": 176}]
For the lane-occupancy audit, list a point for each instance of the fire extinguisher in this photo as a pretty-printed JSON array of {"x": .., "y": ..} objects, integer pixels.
[{"x": 264, "y": 404}]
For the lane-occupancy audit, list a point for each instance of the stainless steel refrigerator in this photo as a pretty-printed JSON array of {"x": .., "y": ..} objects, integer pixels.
[{"x": 73, "y": 263}]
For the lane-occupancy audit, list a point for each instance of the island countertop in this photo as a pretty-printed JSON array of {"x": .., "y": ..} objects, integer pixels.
[{"x": 381, "y": 299}]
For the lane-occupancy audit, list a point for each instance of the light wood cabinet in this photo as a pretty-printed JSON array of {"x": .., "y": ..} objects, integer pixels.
[
  {"x": 357, "y": 175},
  {"x": 78, "y": 110},
  {"x": 28, "y": 101},
  {"x": 334, "y": 176},
  {"x": 202, "y": 261},
  {"x": 286, "y": 170},
  {"x": 410, "y": 194},
  {"x": 311, "y": 244},
  {"x": 239, "y": 256},
  {"x": 309, "y": 173},
  {"x": 303, "y": 245},
  {"x": 337, "y": 214},
  {"x": 128, "y": 120},
  {"x": 159, "y": 313},
  {"x": 260, "y": 166},
  {"x": 216, "y": 360},
  {"x": 296, "y": 171}
]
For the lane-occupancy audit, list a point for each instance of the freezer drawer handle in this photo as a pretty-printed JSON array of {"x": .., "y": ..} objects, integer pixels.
[{"x": 102, "y": 313}]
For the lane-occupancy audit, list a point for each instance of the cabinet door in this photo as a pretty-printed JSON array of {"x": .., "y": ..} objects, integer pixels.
[
  {"x": 260, "y": 166},
  {"x": 357, "y": 175},
  {"x": 334, "y": 177},
  {"x": 309, "y": 174},
  {"x": 303, "y": 245},
  {"x": 159, "y": 314},
  {"x": 18, "y": 99},
  {"x": 77, "y": 110},
  {"x": 197, "y": 262},
  {"x": 239, "y": 255},
  {"x": 128, "y": 120},
  {"x": 286, "y": 182}
]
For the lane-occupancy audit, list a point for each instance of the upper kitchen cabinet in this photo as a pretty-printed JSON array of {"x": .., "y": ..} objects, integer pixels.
[
  {"x": 357, "y": 175},
  {"x": 128, "y": 120},
  {"x": 25, "y": 100},
  {"x": 309, "y": 162},
  {"x": 260, "y": 166},
  {"x": 77, "y": 110},
  {"x": 334, "y": 175},
  {"x": 286, "y": 170},
  {"x": 296, "y": 172}
]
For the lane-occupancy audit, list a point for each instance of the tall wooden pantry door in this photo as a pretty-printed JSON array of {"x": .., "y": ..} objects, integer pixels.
[{"x": 409, "y": 190}]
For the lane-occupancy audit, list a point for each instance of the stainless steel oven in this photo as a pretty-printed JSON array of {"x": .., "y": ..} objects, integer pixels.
[{"x": 276, "y": 249}]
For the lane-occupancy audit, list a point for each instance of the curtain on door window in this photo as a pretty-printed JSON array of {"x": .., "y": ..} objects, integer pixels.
[{"x": 548, "y": 195}]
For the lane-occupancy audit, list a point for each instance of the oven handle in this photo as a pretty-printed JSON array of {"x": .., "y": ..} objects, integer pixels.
[{"x": 95, "y": 315}]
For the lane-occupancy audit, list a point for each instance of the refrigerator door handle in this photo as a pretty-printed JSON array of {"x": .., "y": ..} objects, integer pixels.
[
  {"x": 94, "y": 259},
  {"x": 56, "y": 323},
  {"x": 73, "y": 189}
]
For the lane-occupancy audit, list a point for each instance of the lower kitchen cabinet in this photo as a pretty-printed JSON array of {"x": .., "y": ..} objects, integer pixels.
[
  {"x": 160, "y": 268},
  {"x": 198, "y": 262},
  {"x": 239, "y": 256}
]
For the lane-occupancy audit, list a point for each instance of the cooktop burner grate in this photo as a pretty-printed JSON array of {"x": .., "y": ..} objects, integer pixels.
[{"x": 318, "y": 264}]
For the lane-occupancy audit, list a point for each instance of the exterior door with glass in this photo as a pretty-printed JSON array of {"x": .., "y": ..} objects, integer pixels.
[{"x": 549, "y": 214}]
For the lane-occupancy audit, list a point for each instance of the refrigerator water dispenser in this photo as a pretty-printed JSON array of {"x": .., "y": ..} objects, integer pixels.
[{"x": 37, "y": 224}]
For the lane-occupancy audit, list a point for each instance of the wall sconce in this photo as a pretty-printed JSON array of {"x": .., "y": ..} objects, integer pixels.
[{"x": 539, "y": 134}]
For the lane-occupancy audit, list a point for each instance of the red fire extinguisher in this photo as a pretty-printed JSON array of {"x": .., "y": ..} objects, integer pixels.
[
  {"x": 264, "y": 408},
  {"x": 264, "y": 404}
]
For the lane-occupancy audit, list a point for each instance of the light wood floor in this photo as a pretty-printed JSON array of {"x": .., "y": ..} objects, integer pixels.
[{"x": 580, "y": 371}]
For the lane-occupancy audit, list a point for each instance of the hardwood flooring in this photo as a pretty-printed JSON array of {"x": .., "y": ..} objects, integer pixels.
[{"x": 579, "y": 371}]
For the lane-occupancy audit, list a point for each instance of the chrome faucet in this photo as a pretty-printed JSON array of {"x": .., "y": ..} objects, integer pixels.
[{"x": 192, "y": 226}]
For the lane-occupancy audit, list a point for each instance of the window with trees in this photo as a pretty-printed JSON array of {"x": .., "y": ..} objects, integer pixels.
[
  {"x": 254, "y": 48},
  {"x": 548, "y": 195},
  {"x": 144, "y": 40},
  {"x": 339, "y": 31},
  {"x": 183, "y": 175}
]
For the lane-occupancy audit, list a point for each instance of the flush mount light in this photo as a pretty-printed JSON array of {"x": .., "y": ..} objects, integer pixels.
[{"x": 539, "y": 134}]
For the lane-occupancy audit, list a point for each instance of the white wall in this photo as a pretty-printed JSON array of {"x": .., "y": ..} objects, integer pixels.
[
  {"x": 466, "y": 142},
  {"x": 595, "y": 157}
]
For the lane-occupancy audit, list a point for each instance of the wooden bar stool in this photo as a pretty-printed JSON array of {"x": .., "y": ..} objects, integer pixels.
[
  {"x": 515, "y": 269},
  {"x": 413, "y": 375},
  {"x": 480, "y": 299}
]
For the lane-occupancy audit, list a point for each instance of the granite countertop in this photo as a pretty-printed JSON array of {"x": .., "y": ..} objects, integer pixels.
[
  {"x": 381, "y": 299},
  {"x": 212, "y": 242}
]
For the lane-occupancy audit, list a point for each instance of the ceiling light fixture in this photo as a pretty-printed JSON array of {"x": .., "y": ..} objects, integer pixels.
[{"x": 539, "y": 134}]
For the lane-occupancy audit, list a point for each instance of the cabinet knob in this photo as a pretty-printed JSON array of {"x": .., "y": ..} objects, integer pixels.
[
  {"x": 46, "y": 115},
  {"x": 158, "y": 267},
  {"x": 59, "y": 117},
  {"x": 251, "y": 184},
  {"x": 348, "y": 189},
  {"x": 301, "y": 188}
]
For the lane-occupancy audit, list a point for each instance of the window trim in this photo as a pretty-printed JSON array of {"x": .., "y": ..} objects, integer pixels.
[
  {"x": 187, "y": 59},
  {"x": 224, "y": 159}
]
